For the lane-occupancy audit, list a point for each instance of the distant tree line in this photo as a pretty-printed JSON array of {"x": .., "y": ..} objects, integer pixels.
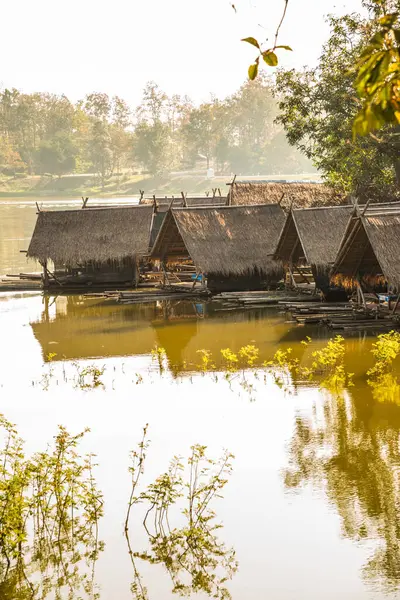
[{"x": 43, "y": 133}]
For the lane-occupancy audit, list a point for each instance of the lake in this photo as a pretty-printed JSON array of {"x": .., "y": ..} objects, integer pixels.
[{"x": 310, "y": 506}]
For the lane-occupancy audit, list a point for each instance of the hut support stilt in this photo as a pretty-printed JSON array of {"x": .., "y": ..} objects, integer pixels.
[{"x": 396, "y": 305}]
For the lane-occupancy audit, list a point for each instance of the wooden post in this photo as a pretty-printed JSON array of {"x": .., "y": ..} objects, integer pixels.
[
  {"x": 292, "y": 278},
  {"x": 141, "y": 196},
  {"x": 37, "y": 206},
  {"x": 282, "y": 197},
  {"x": 184, "y": 199},
  {"x": 45, "y": 274},
  {"x": 84, "y": 202},
  {"x": 396, "y": 304}
]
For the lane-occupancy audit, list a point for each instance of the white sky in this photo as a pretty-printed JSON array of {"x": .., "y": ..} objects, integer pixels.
[{"x": 187, "y": 46}]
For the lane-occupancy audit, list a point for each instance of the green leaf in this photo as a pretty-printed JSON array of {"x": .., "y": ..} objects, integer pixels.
[
  {"x": 252, "y": 41},
  {"x": 284, "y": 48},
  {"x": 253, "y": 71},
  {"x": 270, "y": 58}
]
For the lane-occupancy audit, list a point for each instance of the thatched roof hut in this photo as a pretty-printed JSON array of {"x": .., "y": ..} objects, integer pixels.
[
  {"x": 229, "y": 241},
  {"x": 100, "y": 234},
  {"x": 313, "y": 236},
  {"x": 370, "y": 249},
  {"x": 298, "y": 194}
]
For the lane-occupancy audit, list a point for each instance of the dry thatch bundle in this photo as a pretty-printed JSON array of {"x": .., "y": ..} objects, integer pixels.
[
  {"x": 370, "y": 249},
  {"x": 77, "y": 236},
  {"x": 301, "y": 195},
  {"x": 313, "y": 235},
  {"x": 234, "y": 240},
  {"x": 176, "y": 202}
]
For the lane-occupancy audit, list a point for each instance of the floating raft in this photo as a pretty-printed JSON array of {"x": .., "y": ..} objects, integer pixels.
[
  {"x": 259, "y": 299},
  {"x": 342, "y": 316},
  {"x": 23, "y": 282},
  {"x": 152, "y": 295}
]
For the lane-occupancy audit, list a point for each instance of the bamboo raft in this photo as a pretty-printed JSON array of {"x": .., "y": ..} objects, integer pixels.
[
  {"x": 259, "y": 299},
  {"x": 23, "y": 282},
  {"x": 346, "y": 316},
  {"x": 152, "y": 295}
]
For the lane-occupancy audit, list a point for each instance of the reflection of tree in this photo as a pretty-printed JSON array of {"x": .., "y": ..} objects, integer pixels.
[
  {"x": 50, "y": 508},
  {"x": 195, "y": 559},
  {"x": 356, "y": 460}
]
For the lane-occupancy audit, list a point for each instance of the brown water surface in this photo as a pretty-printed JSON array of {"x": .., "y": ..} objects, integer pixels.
[{"x": 312, "y": 506}]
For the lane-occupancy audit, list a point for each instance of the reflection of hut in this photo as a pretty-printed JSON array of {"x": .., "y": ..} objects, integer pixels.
[
  {"x": 370, "y": 249},
  {"x": 96, "y": 246},
  {"x": 312, "y": 236},
  {"x": 300, "y": 194},
  {"x": 232, "y": 246}
]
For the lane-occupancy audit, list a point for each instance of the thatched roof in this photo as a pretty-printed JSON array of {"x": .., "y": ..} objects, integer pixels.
[
  {"x": 176, "y": 202},
  {"x": 77, "y": 236},
  {"x": 234, "y": 240},
  {"x": 371, "y": 246},
  {"x": 301, "y": 195},
  {"x": 313, "y": 235}
]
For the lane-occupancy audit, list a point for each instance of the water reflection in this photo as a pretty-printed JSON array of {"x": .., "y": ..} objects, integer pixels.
[
  {"x": 351, "y": 447},
  {"x": 181, "y": 524},
  {"x": 50, "y": 510}
]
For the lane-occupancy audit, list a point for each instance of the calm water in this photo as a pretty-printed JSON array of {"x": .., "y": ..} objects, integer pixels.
[{"x": 312, "y": 505}]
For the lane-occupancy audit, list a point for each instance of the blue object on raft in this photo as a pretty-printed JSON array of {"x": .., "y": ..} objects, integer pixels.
[{"x": 197, "y": 277}]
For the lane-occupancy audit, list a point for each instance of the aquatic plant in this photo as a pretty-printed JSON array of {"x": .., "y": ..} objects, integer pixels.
[
  {"x": 89, "y": 377},
  {"x": 206, "y": 364},
  {"x": 249, "y": 355},
  {"x": 384, "y": 384},
  {"x": 231, "y": 360},
  {"x": 160, "y": 356},
  {"x": 50, "y": 509},
  {"x": 195, "y": 559}
]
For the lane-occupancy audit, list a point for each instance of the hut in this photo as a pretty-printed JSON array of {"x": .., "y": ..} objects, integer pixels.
[
  {"x": 368, "y": 257},
  {"x": 163, "y": 204},
  {"x": 91, "y": 247},
  {"x": 312, "y": 237},
  {"x": 297, "y": 193},
  {"x": 231, "y": 246}
]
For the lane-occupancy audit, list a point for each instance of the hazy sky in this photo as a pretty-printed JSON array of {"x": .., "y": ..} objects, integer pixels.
[{"x": 187, "y": 46}]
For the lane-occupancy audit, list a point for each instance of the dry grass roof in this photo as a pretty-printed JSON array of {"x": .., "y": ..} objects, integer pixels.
[
  {"x": 77, "y": 236},
  {"x": 371, "y": 246},
  {"x": 301, "y": 195},
  {"x": 313, "y": 235},
  {"x": 192, "y": 201},
  {"x": 231, "y": 240}
]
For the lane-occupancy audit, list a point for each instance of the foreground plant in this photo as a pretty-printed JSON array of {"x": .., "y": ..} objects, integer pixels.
[
  {"x": 195, "y": 559},
  {"x": 50, "y": 509}
]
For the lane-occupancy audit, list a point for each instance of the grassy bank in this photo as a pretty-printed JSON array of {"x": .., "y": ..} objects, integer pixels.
[{"x": 126, "y": 185}]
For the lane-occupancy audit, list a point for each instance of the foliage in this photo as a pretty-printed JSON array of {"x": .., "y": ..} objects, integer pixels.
[
  {"x": 195, "y": 559},
  {"x": 378, "y": 76},
  {"x": 50, "y": 508},
  {"x": 160, "y": 356},
  {"x": 385, "y": 386},
  {"x": 48, "y": 134},
  {"x": 318, "y": 107}
]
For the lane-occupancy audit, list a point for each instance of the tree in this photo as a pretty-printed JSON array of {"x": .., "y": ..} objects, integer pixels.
[
  {"x": 56, "y": 156},
  {"x": 100, "y": 151},
  {"x": 377, "y": 66},
  {"x": 318, "y": 108},
  {"x": 152, "y": 147}
]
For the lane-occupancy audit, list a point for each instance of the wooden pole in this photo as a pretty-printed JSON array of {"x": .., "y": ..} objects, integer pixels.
[{"x": 396, "y": 304}]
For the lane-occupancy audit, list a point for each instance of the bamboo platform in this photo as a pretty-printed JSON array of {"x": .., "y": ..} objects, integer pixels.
[
  {"x": 344, "y": 316},
  {"x": 23, "y": 282},
  {"x": 152, "y": 295},
  {"x": 260, "y": 299}
]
